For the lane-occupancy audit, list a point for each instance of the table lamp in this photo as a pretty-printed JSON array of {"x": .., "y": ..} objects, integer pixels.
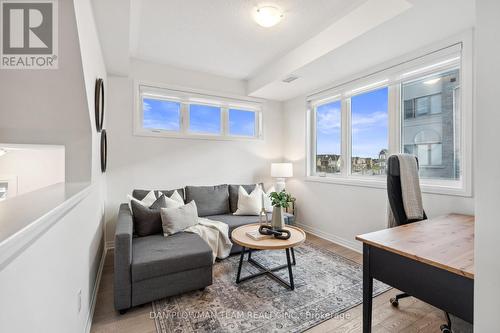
[{"x": 280, "y": 171}]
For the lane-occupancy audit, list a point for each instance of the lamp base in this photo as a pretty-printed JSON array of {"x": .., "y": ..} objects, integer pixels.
[{"x": 280, "y": 184}]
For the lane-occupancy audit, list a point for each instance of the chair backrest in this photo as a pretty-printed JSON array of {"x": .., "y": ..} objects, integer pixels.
[{"x": 394, "y": 192}]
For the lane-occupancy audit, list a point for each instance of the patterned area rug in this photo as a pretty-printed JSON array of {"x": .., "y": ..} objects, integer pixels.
[{"x": 326, "y": 285}]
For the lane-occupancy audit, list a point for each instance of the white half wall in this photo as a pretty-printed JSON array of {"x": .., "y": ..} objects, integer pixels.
[
  {"x": 167, "y": 163},
  {"x": 40, "y": 286},
  {"x": 340, "y": 212},
  {"x": 487, "y": 263}
]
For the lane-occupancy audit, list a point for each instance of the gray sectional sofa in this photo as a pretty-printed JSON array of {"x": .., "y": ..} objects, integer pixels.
[{"x": 153, "y": 267}]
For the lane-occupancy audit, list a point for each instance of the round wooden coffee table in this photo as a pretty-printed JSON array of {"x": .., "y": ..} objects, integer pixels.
[{"x": 240, "y": 237}]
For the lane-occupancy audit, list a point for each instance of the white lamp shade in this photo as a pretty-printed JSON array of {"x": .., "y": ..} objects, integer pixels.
[{"x": 281, "y": 170}]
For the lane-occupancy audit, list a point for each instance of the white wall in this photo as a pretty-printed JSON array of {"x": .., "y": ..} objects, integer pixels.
[
  {"x": 39, "y": 288},
  {"x": 49, "y": 106},
  {"x": 339, "y": 212},
  {"x": 487, "y": 177},
  {"x": 33, "y": 168},
  {"x": 164, "y": 163}
]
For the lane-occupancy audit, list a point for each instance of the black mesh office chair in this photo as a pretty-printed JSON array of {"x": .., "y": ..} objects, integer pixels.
[{"x": 398, "y": 211}]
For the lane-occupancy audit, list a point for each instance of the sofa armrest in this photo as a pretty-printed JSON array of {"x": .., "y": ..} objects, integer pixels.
[{"x": 123, "y": 258}]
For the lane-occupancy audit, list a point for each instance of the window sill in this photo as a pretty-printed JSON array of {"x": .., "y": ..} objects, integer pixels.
[
  {"x": 380, "y": 183},
  {"x": 189, "y": 136}
]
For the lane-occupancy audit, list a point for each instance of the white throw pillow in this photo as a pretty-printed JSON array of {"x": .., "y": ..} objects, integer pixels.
[
  {"x": 147, "y": 201},
  {"x": 174, "y": 201},
  {"x": 174, "y": 220},
  {"x": 175, "y": 196},
  {"x": 249, "y": 204},
  {"x": 267, "y": 199}
]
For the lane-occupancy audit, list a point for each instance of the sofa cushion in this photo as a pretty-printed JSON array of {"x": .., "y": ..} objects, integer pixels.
[
  {"x": 210, "y": 200},
  {"x": 157, "y": 255},
  {"x": 235, "y": 221},
  {"x": 233, "y": 194},
  {"x": 140, "y": 194}
]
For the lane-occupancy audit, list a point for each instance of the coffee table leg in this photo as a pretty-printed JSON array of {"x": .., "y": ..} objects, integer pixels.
[
  {"x": 241, "y": 263},
  {"x": 293, "y": 256},
  {"x": 249, "y": 254},
  {"x": 290, "y": 274}
]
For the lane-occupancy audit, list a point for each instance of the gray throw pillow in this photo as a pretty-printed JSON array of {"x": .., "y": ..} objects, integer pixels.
[
  {"x": 147, "y": 221},
  {"x": 177, "y": 219}
]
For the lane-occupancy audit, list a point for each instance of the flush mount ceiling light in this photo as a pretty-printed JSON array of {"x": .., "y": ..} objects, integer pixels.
[{"x": 268, "y": 15}]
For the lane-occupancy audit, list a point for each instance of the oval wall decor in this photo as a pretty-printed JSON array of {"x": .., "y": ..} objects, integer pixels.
[
  {"x": 99, "y": 104},
  {"x": 104, "y": 150}
]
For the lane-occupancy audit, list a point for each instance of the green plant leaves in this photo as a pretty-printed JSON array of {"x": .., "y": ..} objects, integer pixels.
[{"x": 281, "y": 199}]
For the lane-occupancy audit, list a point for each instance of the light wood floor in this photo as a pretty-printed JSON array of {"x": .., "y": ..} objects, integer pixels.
[{"x": 411, "y": 316}]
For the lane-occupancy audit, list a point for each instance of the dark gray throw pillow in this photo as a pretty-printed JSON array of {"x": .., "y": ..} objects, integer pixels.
[
  {"x": 147, "y": 221},
  {"x": 210, "y": 200}
]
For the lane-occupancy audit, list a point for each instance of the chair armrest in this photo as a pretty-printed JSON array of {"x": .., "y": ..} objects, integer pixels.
[{"x": 123, "y": 258}]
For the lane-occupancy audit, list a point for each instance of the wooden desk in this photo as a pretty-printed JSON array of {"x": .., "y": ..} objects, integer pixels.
[{"x": 432, "y": 260}]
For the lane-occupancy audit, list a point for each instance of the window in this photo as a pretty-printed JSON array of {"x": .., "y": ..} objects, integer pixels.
[
  {"x": 181, "y": 114},
  {"x": 369, "y": 132},
  {"x": 241, "y": 123},
  {"x": 437, "y": 118},
  {"x": 328, "y": 139},
  {"x": 204, "y": 119},
  {"x": 412, "y": 107},
  {"x": 161, "y": 114}
]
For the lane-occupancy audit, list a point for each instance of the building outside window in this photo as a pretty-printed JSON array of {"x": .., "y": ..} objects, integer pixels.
[{"x": 431, "y": 122}]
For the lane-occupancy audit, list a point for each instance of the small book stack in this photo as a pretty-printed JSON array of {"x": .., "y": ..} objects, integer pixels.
[{"x": 256, "y": 235}]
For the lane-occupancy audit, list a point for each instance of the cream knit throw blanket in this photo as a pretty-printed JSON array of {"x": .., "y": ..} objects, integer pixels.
[
  {"x": 410, "y": 188},
  {"x": 215, "y": 234}
]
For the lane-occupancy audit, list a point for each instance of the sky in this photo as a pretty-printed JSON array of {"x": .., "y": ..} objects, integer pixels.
[
  {"x": 165, "y": 115},
  {"x": 241, "y": 122},
  {"x": 369, "y": 125},
  {"x": 204, "y": 119},
  {"x": 159, "y": 114}
]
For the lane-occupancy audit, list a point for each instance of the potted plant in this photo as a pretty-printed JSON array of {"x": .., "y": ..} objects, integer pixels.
[{"x": 279, "y": 200}]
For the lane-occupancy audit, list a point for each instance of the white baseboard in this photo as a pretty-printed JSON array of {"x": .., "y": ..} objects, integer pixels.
[
  {"x": 93, "y": 300},
  {"x": 352, "y": 245},
  {"x": 110, "y": 245}
]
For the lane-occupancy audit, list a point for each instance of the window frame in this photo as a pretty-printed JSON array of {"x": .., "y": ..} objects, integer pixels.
[
  {"x": 186, "y": 97},
  {"x": 393, "y": 75}
]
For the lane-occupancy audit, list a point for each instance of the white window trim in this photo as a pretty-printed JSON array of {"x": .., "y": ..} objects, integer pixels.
[
  {"x": 190, "y": 96},
  {"x": 409, "y": 63}
]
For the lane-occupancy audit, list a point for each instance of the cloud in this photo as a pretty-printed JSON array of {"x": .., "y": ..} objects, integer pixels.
[
  {"x": 368, "y": 121},
  {"x": 328, "y": 121},
  {"x": 146, "y": 106}
]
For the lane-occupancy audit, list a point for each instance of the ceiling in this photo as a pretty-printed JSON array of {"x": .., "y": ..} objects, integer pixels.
[
  {"x": 220, "y": 36},
  {"x": 321, "y": 41}
]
